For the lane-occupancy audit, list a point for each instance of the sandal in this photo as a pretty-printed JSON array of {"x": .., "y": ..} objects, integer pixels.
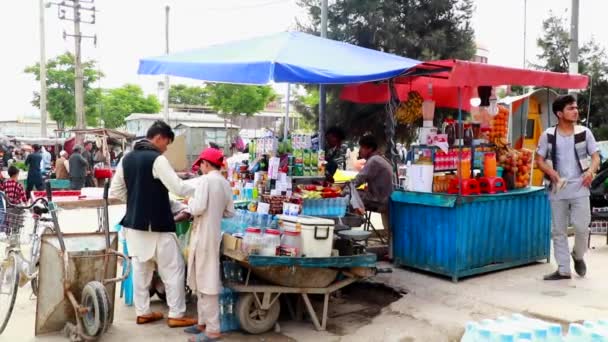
[
  {"x": 194, "y": 330},
  {"x": 202, "y": 337}
]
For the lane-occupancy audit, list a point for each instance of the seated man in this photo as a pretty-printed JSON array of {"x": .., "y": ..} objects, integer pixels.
[{"x": 379, "y": 176}]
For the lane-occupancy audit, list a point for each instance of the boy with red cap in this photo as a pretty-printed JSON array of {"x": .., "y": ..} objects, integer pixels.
[{"x": 211, "y": 202}]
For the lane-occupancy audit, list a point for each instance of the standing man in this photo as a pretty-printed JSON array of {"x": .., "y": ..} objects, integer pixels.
[
  {"x": 211, "y": 202},
  {"x": 563, "y": 155},
  {"x": 61, "y": 166},
  {"x": 78, "y": 167},
  {"x": 88, "y": 156},
  {"x": 335, "y": 152},
  {"x": 34, "y": 176},
  {"x": 143, "y": 179},
  {"x": 47, "y": 161}
]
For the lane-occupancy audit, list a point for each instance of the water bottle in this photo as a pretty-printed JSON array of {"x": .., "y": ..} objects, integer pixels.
[
  {"x": 577, "y": 333},
  {"x": 484, "y": 335},
  {"x": 223, "y": 321},
  {"x": 554, "y": 333}
]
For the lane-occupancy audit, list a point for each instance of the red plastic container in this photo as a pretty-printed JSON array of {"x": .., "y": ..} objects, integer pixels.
[
  {"x": 492, "y": 185},
  {"x": 103, "y": 173},
  {"x": 469, "y": 187}
]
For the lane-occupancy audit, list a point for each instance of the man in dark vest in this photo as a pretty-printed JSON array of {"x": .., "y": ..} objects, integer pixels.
[
  {"x": 569, "y": 157},
  {"x": 143, "y": 179},
  {"x": 34, "y": 174}
]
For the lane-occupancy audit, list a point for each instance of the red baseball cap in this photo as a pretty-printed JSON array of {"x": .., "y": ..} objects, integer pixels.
[{"x": 210, "y": 154}]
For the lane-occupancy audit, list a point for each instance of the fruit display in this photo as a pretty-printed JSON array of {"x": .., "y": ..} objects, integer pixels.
[
  {"x": 410, "y": 110},
  {"x": 517, "y": 166},
  {"x": 317, "y": 191},
  {"x": 499, "y": 125}
]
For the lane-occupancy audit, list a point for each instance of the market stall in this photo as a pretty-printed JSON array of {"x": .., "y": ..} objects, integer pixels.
[
  {"x": 467, "y": 206},
  {"x": 282, "y": 180}
]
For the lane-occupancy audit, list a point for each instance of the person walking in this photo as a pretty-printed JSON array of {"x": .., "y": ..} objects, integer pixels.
[
  {"x": 78, "y": 167},
  {"x": 211, "y": 202},
  {"x": 143, "y": 179},
  {"x": 62, "y": 166},
  {"x": 563, "y": 154},
  {"x": 34, "y": 175}
]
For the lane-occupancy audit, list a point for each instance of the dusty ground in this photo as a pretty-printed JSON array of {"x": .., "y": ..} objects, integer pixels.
[{"x": 434, "y": 308}]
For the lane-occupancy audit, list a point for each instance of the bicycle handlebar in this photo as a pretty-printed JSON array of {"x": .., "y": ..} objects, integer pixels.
[{"x": 23, "y": 207}]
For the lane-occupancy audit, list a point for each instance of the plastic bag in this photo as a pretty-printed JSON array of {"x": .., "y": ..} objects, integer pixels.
[{"x": 355, "y": 199}]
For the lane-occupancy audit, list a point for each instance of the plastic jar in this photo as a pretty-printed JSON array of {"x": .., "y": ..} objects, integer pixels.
[
  {"x": 253, "y": 241},
  {"x": 291, "y": 244},
  {"x": 272, "y": 241}
]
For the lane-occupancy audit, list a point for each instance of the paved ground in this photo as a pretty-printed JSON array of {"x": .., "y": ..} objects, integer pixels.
[{"x": 434, "y": 308}]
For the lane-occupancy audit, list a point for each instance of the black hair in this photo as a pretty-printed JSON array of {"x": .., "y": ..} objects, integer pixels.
[
  {"x": 561, "y": 102},
  {"x": 12, "y": 171},
  {"x": 36, "y": 147},
  {"x": 161, "y": 128},
  {"x": 337, "y": 132},
  {"x": 214, "y": 145},
  {"x": 368, "y": 141}
]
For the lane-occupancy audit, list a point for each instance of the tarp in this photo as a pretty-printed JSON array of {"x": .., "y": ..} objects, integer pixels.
[
  {"x": 108, "y": 132},
  {"x": 290, "y": 57},
  {"x": 449, "y": 75}
]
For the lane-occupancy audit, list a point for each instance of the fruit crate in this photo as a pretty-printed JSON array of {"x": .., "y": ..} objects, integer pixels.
[{"x": 326, "y": 207}]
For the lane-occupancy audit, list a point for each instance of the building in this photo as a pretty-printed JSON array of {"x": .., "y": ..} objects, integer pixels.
[
  {"x": 138, "y": 123},
  {"x": 481, "y": 54},
  {"x": 26, "y": 126},
  {"x": 198, "y": 135}
]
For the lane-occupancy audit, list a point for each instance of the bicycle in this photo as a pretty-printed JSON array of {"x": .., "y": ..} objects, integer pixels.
[{"x": 15, "y": 270}]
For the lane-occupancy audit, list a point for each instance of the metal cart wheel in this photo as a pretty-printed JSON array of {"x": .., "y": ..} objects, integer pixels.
[
  {"x": 9, "y": 284},
  {"x": 253, "y": 318},
  {"x": 95, "y": 300}
]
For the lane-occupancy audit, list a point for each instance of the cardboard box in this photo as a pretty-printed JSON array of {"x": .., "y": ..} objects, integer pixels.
[{"x": 231, "y": 247}]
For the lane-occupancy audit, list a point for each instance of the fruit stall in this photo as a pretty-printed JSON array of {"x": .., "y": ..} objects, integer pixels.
[{"x": 465, "y": 203}]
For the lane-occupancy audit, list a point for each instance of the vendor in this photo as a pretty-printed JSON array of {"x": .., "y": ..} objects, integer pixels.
[
  {"x": 211, "y": 202},
  {"x": 335, "y": 152},
  {"x": 378, "y": 175}
]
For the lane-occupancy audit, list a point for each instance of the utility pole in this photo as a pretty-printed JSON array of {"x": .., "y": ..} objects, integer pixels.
[
  {"x": 76, "y": 18},
  {"x": 167, "y": 86},
  {"x": 43, "y": 114},
  {"x": 322, "y": 93},
  {"x": 286, "y": 123},
  {"x": 574, "y": 39},
  {"x": 525, "y": 29}
]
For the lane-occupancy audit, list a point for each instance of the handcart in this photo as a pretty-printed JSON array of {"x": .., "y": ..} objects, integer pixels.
[
  {"x": 77, "y": 279},
  {"x": 258, "y": 306}
]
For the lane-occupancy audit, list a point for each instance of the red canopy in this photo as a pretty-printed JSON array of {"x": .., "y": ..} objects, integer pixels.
[{"x": 446, "y": 76}]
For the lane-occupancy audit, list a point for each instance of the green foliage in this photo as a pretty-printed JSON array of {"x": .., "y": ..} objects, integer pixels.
[
  {"x": 421, "y": 29},
  {"x": 21, "y": 166},
  {"x": 60, "y": 89},
  {"x": 119, "y": 103},
  {"x": 181, "y": 94},
  {"x": 232, "y": 99},
  {"x": 593, "y": 61}
]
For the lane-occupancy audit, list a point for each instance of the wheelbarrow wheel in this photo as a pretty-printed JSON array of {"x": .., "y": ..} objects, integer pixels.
[
  {"x": 9, "y": 284},
  {"x": 95, "y": 299},
  {"x": 253, "y": 319}
]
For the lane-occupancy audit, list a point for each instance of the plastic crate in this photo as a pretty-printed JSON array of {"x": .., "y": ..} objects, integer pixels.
[
  {"x": 327, "y": 207},
  {"x": 60, "y": 183}
]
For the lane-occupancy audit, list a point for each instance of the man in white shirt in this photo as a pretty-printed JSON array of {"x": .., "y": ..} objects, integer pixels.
[{"x": 144, "y": 179}]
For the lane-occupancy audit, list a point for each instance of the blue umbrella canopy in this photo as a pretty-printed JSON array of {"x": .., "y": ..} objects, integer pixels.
[{"x": 287, "y": 57}]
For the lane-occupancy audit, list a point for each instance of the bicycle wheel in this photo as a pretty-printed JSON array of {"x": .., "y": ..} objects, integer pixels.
[
  {"x": 35, "y": 257},
  {"x": 9, "y": 284}
]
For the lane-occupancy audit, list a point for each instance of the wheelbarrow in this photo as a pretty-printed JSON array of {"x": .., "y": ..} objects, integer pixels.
[{"x": 77, "y": 280}]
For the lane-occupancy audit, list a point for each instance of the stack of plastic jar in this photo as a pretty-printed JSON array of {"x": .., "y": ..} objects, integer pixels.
[
  {"x": 253, "y": 242},
  {"x": 291, "y": 244},
  {"x": 272, "y": 241}
]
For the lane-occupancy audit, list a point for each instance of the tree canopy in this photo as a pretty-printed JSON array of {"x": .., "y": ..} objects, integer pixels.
[
  {"x": 180, "y": 94},
  {"x": 119, "y": 103},
  {"x": 232, "y": 99},
  {"x": 418, "y": 29},
  {"x": 593, "y": 61},
  {"x": 60, "y": 89}
]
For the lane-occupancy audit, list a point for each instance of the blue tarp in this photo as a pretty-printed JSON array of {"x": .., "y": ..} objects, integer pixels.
[{"x": 288, "y": 57}]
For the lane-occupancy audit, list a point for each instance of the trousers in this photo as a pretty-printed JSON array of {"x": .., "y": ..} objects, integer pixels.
[
  {"x": 208, "y": 307},
  {"x": 171, "y": 268},
  {"x": 563, "y": 212}
]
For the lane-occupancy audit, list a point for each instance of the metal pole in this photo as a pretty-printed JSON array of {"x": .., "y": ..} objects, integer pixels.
[
  {"x": 43, "y": 130},
  {"x": 525, "y": 29},
  {"x": 322, "y": 93},
  {"x": 167, "y": 86},
  {"x": 574, "y": 39},
  {"x": 286, "y": 123},
  {"x": 79, "y": 80}
]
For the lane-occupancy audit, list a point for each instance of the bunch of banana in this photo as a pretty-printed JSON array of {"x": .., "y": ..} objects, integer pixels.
[
  {"x": 501, "y": 142},
  {"x": 410, "y": 111}
]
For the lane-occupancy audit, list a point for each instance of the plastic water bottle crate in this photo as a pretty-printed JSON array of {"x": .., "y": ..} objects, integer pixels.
[{"x": 328, "y": 207}]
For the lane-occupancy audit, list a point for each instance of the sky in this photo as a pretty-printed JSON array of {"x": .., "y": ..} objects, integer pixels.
[{"x": 129, "y": 30}]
